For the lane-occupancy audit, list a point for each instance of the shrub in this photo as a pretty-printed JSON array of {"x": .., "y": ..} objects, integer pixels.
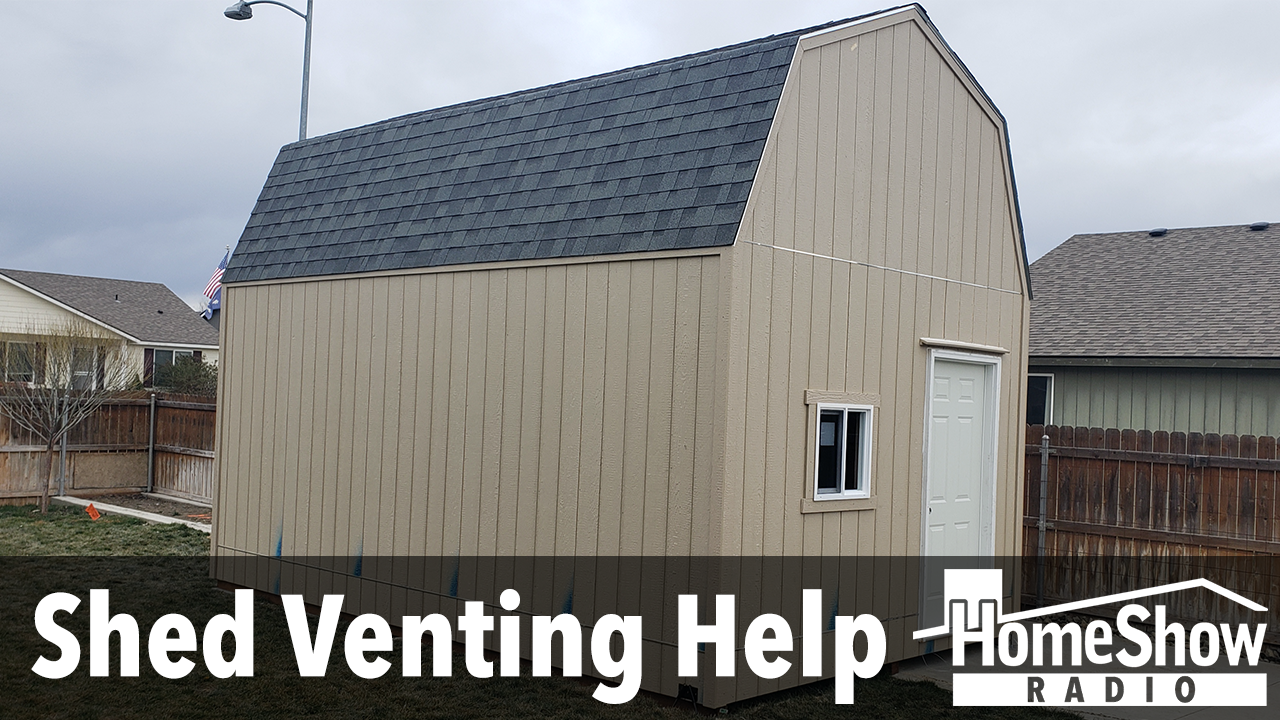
[{"x": 188, "y": 376}]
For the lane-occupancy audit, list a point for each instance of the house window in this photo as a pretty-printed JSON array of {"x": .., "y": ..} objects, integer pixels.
[
  {"x": 17, "y": 362},
  {"x": 84, "y": 362},
  {"x": 843, "y": 452},
  {"x": 158, "y": 361},
  {"x": 1040, "y": 399}
]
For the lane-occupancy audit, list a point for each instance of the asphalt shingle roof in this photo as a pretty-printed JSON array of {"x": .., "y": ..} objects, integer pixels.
[
  {"x": 147, "y": 311},
  {"x": 656, "y": 157},
  {"x": 1194, "y": 292}
]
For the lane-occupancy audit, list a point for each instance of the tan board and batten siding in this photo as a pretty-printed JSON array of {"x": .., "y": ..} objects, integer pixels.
[
  {"x": 551, "y": 410},
  {"x": 881, "y": 215},
  {"x": 654, "y": 404}
]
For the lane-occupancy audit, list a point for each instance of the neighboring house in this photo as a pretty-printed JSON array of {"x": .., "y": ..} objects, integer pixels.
[
  {"x": 1175, "y": 330},
  {"x": 156, "y": 325},
  {"x": 764, "y": 300}
]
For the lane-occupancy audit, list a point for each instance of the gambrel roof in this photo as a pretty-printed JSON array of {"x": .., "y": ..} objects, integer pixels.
[{"x": 655, "y": 157}]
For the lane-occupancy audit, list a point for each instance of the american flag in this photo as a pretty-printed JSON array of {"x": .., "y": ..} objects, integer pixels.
[{"x": 214, "y": 290}]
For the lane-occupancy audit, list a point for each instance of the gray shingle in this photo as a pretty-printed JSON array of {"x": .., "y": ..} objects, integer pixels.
[
  {"x": 1194, "y": 292},
  {"x": 654, "y": 157}
]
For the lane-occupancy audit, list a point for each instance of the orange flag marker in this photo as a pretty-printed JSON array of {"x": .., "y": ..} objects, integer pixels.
[{"x": 93, "y": 512}]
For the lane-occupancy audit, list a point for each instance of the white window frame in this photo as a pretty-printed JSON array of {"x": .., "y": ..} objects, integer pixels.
[
  {"x": 862, "y": 487},
  {"x": 1048, "y": 399}
]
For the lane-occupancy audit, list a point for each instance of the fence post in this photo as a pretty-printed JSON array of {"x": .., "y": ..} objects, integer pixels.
[
  {"x": 1044, "y": 511},
  {"x": 151, "y": 447}
]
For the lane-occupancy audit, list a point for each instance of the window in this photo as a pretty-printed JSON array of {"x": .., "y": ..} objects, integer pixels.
[
  {"x": 1039, "y": 399},
  {"x": 843, "y": 452},
  {"x": 83, "y": 362},
  {"x": 158, "y": 361},
  {"x": 17, "y": 362}
]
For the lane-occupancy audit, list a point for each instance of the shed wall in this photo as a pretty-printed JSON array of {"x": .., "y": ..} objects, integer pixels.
[
  {"x": 548, "y": 410},
  {"x": 1236, "y": 401},
  {"x": 881, "y": 215}
]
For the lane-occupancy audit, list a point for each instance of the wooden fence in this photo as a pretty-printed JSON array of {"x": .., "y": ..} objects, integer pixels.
[
  {"x": 109, "y": 451},
  {"x": 1126, "y": 510},
  {"x": 184, "y": 449}
]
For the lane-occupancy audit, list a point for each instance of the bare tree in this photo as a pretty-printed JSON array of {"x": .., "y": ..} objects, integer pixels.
[{"x": 56, "y": 376}]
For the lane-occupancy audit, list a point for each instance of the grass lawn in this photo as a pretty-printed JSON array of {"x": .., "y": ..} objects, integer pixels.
[
  {"x": 148, "y": 585},
  {"x": 70, "y": 531}
]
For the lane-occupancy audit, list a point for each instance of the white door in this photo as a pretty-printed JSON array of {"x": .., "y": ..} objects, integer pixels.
[
  {"x": 959, "y": 479},
  {"x": 957, "y": 458}
]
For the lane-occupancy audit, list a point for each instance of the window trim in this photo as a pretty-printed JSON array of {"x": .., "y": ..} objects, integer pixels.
[{"x": 862, "y": 488}]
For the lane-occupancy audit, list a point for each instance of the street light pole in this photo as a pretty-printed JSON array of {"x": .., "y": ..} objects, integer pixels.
[
  {"x": 243, "y": 10},
  {"x": 306, "y": 76}
]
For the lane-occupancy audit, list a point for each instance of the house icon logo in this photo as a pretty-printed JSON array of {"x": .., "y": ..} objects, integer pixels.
[{"x": 1140, "y": 659}]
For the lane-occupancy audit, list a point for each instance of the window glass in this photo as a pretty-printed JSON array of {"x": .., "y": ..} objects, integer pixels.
[
  {"x": 852, "y": 451},
  {"x": 829, "y": 450},
  {"x": 843, "y": 444},
  {"x": 82, "y": 364},
  {"x": 161, "y": 361},
  {"x": 16, "y": 364},
  {"x": 1039, "y": 399}
]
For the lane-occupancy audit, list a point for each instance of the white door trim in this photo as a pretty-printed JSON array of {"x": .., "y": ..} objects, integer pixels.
[{"x": 990, "y": 440}]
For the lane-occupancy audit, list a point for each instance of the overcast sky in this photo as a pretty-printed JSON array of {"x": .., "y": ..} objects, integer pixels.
[{"x": 135, "y": 135}]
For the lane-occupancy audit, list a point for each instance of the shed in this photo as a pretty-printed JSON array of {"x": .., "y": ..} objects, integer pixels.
[
  {"x": 765, "y": 300},
  {"x": 1173, "y": 329}
]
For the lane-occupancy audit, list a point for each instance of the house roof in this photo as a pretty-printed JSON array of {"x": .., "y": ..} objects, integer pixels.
[
  {"x": 1210, "y": 292},
  {"x": 655, "y": 157},
  {"x": 145, "y": 311}
]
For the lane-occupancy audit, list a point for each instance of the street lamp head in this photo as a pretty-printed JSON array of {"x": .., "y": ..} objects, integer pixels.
[
  {"x": 239, "y": 11},
  {"x": 242, "y": 11}
]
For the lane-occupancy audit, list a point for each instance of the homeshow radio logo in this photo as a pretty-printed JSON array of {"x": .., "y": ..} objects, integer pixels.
[{"x": 1066, "y": 664}]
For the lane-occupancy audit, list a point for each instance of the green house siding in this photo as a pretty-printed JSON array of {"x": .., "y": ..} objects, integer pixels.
[{"x": 1209, "y": 400}]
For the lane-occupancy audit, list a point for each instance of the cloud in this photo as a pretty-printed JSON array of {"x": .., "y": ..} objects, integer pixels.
[{"x": 134, "y": 143}]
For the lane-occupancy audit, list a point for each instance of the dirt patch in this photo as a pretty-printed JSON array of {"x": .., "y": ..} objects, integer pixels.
[{"x": 166, "y": 507}]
